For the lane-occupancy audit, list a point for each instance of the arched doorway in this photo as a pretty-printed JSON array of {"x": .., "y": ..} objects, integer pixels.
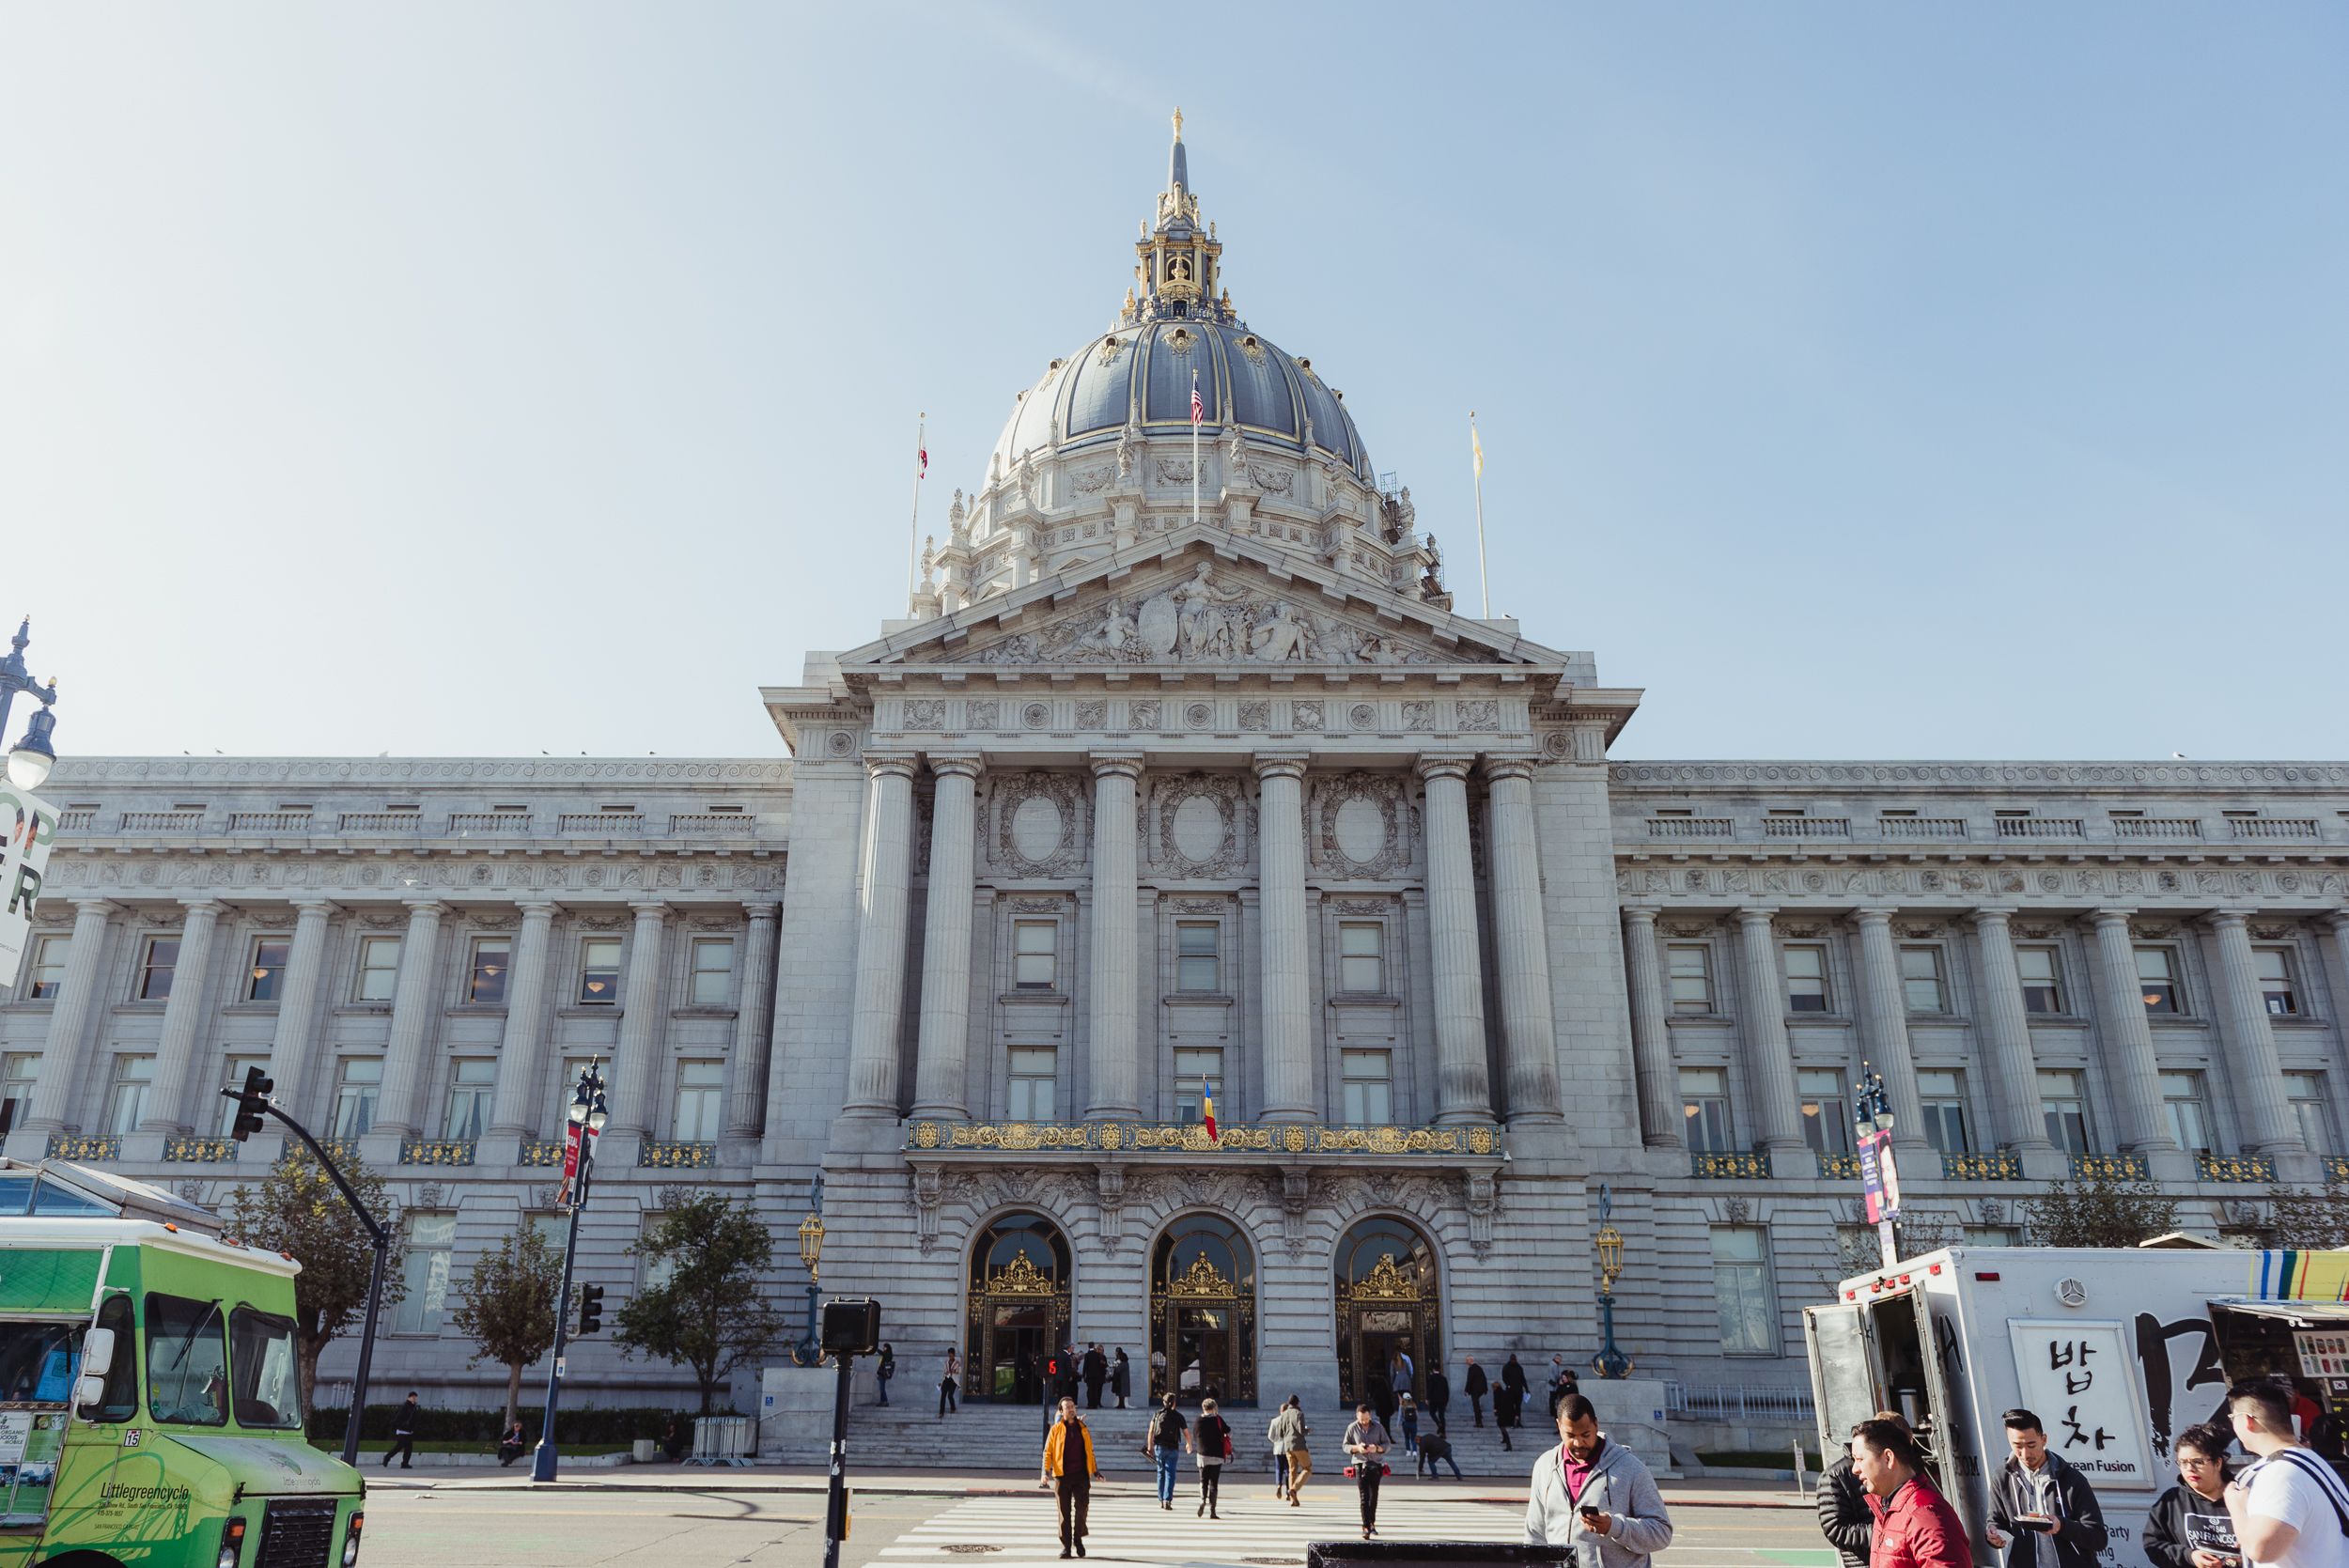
[
  {"x": 1388, "y": 1302},
  {"x": 1017, "y": 1308},
  {"x": 1203, "y": 1313}
]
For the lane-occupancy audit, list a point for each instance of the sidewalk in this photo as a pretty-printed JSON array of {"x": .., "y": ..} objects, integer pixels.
[{"x": 903, "y": 1480}]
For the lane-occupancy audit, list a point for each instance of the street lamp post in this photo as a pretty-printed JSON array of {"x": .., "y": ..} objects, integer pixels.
[
  {"x": 1611, "y": 1362},
  {"x": 810, "y": 1350},
  {"x": 33, "y": 756},
  {"x": 584, "y": 1125}
]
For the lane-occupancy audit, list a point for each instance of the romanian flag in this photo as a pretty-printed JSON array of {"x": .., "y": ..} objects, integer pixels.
[{"x": 1206, "y": 1105}]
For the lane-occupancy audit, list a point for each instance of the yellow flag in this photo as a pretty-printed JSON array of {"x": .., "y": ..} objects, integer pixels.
[{"x": 1477, "y": 447}]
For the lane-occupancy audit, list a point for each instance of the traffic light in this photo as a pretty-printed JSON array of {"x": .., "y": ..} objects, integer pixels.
[
  {"x": 251, "y": 1100},
  {"x": 590, "y": 1308},
  {"x": 853, "y": 1327}
]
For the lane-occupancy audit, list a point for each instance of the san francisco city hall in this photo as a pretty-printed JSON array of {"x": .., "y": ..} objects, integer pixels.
[{"x": 1135, "y": 806}]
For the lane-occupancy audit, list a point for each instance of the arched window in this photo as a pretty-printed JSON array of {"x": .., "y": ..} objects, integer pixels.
[
  {"x": 1203, "y": 1311},
  {"x": 1018, "y": 1312},
  {"x": 1390, "y": 1317}
]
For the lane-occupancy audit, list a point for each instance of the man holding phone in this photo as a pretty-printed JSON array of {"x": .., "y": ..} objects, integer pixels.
[
  {"x": 2043, "y": 1511},
  {"x": 1595, "y": 1496}
]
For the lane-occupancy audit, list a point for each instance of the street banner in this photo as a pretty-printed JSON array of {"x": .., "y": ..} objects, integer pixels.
[
  {"x": 32, "y": 827},
  {"x": 571, "y": 1162},
  {"x": 1879, "y": 1176}
]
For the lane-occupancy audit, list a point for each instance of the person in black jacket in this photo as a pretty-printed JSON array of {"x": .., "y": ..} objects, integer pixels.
[
  {"x": 2043, "y": 1511},
  {"x": 1508, "y": 1409},
  {"x": 1475, "y": 1386},
  {"x": 1097, "y": 1372},
  {"x": 1513, "y": 1378},
  {"x": 1844, "y": 1518},
  {"x": 1438, "y": 1394},
  {"x": 2189, "y": 1525},
  {"x": 883, "y": 1369}
]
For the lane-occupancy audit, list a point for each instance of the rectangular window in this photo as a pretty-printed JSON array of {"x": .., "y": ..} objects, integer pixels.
[
  {"x": 1034, "y": 1072},
  {"x": 1363, "y": 958},
  {"x": 2182, "y": 1101},
  {"x": 267, "y": 976},
  {"x": 432, "y": 1240},
  {"x": 162, "y": 956},
  {"x": 2273, "y": 966},
  {"x": 701, "y": 1093},
  {"x": 1691, "y": 979},
  {"x": 1944, "y": 1098},
  {"x": 600, "y": 971},
  {"x": 1196, "y": 966},
  {"x": 2043, "y": 989},
  {"x": 2066, "y": 1111},
  {"x": 2158, "y": 979},
  {"x": 16, "y": 1093},
  {"x": 713, "y": 972},
  {"x": 126, "y": 1098},
  {"x": 1369, "y": 1087},
  {"x": 1921, "y": 980},
  {"x": 379, "y": 968},
  {"x": 1035, "y": 954},
  {"x": 2307, "y": 1092},
  {"x": 1704, "y": 1101},
  {"x": 1826, "y": 1123},
  {"x": 49, "y": 956},
  {"x": 1193, "y": 1068},
  {"x": 493, "y": 957},
  {"x": 1741, "y": 1290},
  {"x": 1993, "y": 1236},
  {"x": 356, "y": 1083},
  {"x": 473, "y": 1081},
  {"x": 1806, "y": 979},
  {"x": 232, "y": 1077}
]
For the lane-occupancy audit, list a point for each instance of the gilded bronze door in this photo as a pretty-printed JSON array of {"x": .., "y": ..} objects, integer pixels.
[
  {"x": 1203, "y": 1313},
  {"x": 1388, "y": 1306},
  {"x": 1018, "y": 1308}
]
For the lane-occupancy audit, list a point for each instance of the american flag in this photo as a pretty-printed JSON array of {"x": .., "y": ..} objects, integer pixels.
[{"x": 1198, "y": 410}]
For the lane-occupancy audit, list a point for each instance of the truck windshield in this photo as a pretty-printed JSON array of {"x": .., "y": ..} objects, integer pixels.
[
  {"x": 37, "y": 1361},
  {"x": 187, "y": 1362},
  {"x": 267, "y": 1379}
]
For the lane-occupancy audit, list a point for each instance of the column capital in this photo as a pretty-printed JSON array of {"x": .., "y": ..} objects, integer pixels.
[
  {"x": 650, "y": 910},
  {"x": 1431, "y": 767},
  {"x": 1112, "y": 765},
  {"x": 199, "y": 905},
  {"x": 313, "y": 903},
  {"x": 969, "y": 765},
  {"x": 537, "y": 908},
  {"x": 87, "y": 906},
  {"x": 766, "y": 910},
  {"x": 1757, "y": 914},
  {"x": 2107, "y": 917},
  {"x": 884, "y": 767},
  {"x": 2224, "y": 920},
  {"x": 1643, "y": 914},
  {"x": 2337, "y": 919},
  {"x": 1510, "y": 767},
  {"x": 1987, "y": 917},
  {"x": 1874, "y": 914},
  {"x": 424, "y": 908},
  {"x": 1279, "y": 765}
]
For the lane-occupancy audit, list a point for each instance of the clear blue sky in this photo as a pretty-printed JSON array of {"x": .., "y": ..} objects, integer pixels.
[{"x": 1861, "y": 380}]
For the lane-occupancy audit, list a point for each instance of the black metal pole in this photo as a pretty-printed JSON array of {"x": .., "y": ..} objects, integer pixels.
[
  {"x": 836, "y": 1502},
  {"x": 542, "y": 1462}
]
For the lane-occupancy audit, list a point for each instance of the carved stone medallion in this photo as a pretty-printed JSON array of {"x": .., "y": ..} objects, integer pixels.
[
  {"x": 1199, "y": 824},
  {"x": 1039, "y": 823},
  {"x": 1360, "y": 824}
]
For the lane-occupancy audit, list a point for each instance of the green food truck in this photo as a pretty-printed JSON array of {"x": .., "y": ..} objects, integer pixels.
[{"x": 150, "y": 1398}]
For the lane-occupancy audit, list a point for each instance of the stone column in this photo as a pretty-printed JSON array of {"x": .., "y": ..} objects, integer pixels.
[
  {"x": 396, "y": 1109},
  {"x": 2272, "y": 1129},
  {"x": 938, "y": 1068},
  {"x": 1884, "y": 1019},
  {"x": 746, "y": 1064},
  {"x": 2128, "y": 1036},
  {"x": 883, "y": 873},
  {"x": 1286, "y": 982},
  {"x": 640, "y": 1023},
  {"x": 1660, "y": 1115},
  {"x": 518, "y": 1110},
  {"x": 1112, "y": 1049},
  {"x": 2006, "y": 1038},
  {"x": 298, "y": 1001},
  {"x": 1769, "y": 1059},
  {"x": 1529, "y": 1036},
  {"x": 183, "y": 1017},
  {"x": 68, "y": 1020},
  {"x": 1463, "y": 1090}
]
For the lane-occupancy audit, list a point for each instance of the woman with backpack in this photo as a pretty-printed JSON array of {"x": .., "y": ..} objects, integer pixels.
[{"x": 1212, "y": 1444}]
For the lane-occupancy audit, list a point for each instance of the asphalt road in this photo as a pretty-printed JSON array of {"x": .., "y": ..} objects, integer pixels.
[{"x": 453, "y": 1528}]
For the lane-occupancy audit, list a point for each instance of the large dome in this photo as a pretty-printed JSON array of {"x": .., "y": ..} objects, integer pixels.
[{"x": 1146, "y": 371}]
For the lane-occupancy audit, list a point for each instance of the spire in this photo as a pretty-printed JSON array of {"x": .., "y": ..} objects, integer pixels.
[
  {"x": 1178, "y": 166},
  {"x": 1179, "y": 259}
]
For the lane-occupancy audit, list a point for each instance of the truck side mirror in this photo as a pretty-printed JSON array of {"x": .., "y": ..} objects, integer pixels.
[
  {"x": 89, "y": 1390},
  {"x": 97, "y": 1352}
]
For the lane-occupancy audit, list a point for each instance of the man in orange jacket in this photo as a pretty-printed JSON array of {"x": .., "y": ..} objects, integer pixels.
[{"x": 1070, "y": 1468}]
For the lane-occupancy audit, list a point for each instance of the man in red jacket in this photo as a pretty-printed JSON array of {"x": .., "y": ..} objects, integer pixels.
[{"x": 1915, "y": 1526}]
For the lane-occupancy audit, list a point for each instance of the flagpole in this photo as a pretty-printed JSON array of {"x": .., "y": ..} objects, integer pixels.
[
  {"x": 1194, "y": 449},
  {"x": 1484, "y": 582},
  {"x": 913, "y": 531}
]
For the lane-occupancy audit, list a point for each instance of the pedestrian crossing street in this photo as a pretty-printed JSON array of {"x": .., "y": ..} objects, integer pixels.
[{"x": 1128, "y": 1525}]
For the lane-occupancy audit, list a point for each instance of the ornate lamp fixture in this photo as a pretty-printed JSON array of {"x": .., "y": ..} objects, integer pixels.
[
  {"x": 1610, "y": 1362},
  {"x": 810, "y": 1351}
]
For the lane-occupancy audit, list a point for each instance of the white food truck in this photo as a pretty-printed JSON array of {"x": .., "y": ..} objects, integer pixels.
[{"x": 2117, "y": 1350}]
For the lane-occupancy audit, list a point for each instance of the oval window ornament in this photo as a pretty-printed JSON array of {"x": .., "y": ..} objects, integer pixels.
[{"x": 2071, "y": 1292}]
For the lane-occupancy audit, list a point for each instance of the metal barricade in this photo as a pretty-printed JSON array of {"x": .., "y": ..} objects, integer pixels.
[{"x": 722, "y": 1440}]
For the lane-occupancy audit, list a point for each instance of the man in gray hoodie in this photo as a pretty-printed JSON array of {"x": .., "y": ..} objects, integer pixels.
[{"x": 1595, "y": 1497}]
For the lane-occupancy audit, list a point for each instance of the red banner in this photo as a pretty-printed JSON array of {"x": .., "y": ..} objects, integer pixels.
[{"x": 570, "y": 1160}]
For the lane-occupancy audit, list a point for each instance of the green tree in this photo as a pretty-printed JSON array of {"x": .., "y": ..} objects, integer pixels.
[
  {"x": 506, "y": 1306},
  {"x": 2099, "y": 1211},
  {"x": 712, "y": 1312},
  {"x": 298, "y": 1210},
  {"x": 2309, "y": 1220}
]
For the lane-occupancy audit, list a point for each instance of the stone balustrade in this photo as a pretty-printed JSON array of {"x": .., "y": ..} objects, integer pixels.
[
  {"x": 269, "y": 821},
  {"x": 608, "y": 823},
  {"x": 380, "y": 822},
  {"x": 2041, "y": 827},
  {"x": 162, "y": 821},
  {"x": 1692, "y": 826},
  {"x": 2262, "y": 829},
  {"x": 2156, "y": 827},
  {"x": 1921, "y": 827},
  {"x": 1806, "y": 826},
  {"x": 470, "y": 822}
]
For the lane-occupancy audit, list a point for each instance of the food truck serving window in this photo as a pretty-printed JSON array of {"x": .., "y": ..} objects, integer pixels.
[
  {"x": 266, "y": 1380},
  {"x": 187, "y": 1360},
  {"x": 37, "y": 1361}
]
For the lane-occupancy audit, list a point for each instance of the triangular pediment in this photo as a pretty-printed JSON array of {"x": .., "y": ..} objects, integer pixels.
[{"x": 1201, "y": 600}]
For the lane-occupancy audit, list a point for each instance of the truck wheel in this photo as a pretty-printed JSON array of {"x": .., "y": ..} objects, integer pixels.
[{"x": 81, "y": 1559}]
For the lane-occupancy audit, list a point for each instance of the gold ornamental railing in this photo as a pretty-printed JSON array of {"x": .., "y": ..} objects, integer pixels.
[
  {"x": 1289, "y": 1138},
  {"x": 200, "y": 1151}
]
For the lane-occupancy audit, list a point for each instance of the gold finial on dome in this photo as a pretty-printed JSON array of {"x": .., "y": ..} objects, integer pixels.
[{"x": 1178, "y": 122}]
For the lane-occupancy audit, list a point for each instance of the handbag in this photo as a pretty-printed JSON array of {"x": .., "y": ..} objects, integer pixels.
[{"x": 1227, "y": 1442}]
